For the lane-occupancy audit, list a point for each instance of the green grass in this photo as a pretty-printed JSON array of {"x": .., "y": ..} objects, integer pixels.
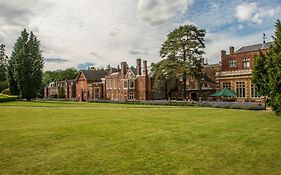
[{"x": 93, "y": 138}]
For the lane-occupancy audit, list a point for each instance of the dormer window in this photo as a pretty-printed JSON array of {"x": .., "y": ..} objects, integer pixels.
[
  {"x": 232, "y": 63},
  {"x": 246, "y": 63}
]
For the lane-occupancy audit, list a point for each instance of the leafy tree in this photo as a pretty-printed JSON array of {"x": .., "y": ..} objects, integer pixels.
[
  {"x": 59, "y": 75},
  {"x": 185, "y": 43},
  {"x": 260, "y": 74},
  {"x": 3, "y": 68},
  {"x": 61, "y": 92},
  {"x": 267, "y": 71},
  {"x": 166, "y": 75},
  {"x": 3, "y": 63},
  {"x": 27, "y": 64},
  {"x": 274, "y": 70}
]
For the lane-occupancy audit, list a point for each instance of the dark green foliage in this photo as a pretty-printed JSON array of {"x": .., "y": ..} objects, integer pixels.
[
  {"x": 185, "y": 43},
  {"x": 3, "y": 68},
  {"x": 59, "y": 75},
  {"x": 260, "y": 74},
  {"x": 3, "y": 64},
  {"x": 61, "y": 92},
  {"x": 3, "y": 85},
  {"x": 27, "y": 64},
  {"x": 6, "y": 91},
  {"x": 166, "y": 75},
  {"x": 269, "y": 80}
]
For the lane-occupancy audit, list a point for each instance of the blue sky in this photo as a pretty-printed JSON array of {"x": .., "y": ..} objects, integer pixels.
[{"x": 103, "y": 32}]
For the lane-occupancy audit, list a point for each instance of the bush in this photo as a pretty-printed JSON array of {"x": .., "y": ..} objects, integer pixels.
[
  {"x": 6, "y": 91},
  {"x": 3, "y": 85},
  {"x": 231, "y": 105},
  {"x": 6, "y": 98}
]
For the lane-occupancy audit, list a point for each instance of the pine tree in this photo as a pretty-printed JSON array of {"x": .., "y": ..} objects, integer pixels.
[
  {"x": 186, "y": 43},
  {"x": 274, "y": 70},
  {"x": 26, "y": 65}
]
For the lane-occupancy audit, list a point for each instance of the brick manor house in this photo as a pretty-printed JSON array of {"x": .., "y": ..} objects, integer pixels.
[
  {"x": 135, "y": 83},
  {"x": 129, "y": 83},
  {"x": 236, "y": 70}
]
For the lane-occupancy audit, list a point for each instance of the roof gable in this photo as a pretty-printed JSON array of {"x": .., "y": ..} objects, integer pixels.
[
  {"x": 130, "y": 74},
  {"x": 93, "y": 76}
]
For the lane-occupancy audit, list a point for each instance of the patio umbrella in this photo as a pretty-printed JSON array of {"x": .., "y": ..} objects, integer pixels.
[{"x": 225, "y": 93}]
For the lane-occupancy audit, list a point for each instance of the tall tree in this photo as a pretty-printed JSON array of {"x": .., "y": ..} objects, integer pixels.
[
  {"x": 260, "y": 74},
  {"x": 185, "y": 43},
  {"x": 3, "y": 68},
  {"x": 166, "y": 75},
  {"x": 27, "y": 64},
  {"x": 3, "y": 63},
  {"x": 274, "y": 70}
]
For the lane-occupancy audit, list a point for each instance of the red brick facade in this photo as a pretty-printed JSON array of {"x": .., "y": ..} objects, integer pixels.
[
  {"x": 236, "y": 71},
  {"x": 52, "y": 90},
  {"x": 90, "y": 85},
  {"x": 129, "y": 83}
]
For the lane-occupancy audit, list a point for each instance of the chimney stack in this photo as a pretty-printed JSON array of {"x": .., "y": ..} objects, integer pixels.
[
  {"x": 231, "y": 49},
  {"x": 123, "y": 69},
  {"x": 144, "y": 67},
  {"x": 138, "y": 66},
  {"x": 223, "y": 54}
]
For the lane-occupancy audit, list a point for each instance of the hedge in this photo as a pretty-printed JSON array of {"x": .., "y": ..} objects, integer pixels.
[{"x": 5, "y": 98}]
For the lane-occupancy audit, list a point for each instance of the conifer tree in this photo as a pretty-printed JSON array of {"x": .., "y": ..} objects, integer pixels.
[
  {"x": 185, "y": 43},
  {"x": 26, "y": 65},
  {"x": 3, "y": 68}
]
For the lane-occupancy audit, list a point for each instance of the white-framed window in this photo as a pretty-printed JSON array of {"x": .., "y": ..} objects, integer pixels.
[
  {"x": 246, "y": 63},
  {"x": 132, "y": 84},
  {"x": 240, "y": 89},
  {"x": 232, "y": 63},
  {"x": 131, "y": 95},
  {"x": 125, "y": 84},
  {"x": 107, "y": 84}
]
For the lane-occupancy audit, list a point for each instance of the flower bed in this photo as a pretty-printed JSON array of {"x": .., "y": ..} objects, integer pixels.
[
  {"x": 156, "y": 102},
  {"x": 231, "y": 105}
]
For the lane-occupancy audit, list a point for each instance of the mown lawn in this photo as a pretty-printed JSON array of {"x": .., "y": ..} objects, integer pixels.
[{"x": 90, "y": 138}]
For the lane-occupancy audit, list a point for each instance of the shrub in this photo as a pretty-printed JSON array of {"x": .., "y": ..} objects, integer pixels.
[
  {"x": 6, "y": 91},
  {"x": 6, "y": 98}
]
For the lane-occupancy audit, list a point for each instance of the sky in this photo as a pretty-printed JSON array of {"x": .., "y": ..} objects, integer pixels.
[{"x": 101, "y": 32}]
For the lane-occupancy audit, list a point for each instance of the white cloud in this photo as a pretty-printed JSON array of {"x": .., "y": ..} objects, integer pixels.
[
  {"x": 246, "y": 11},
  {"x": 160, "y": 11},
  {"x": 254, "y": 13}
]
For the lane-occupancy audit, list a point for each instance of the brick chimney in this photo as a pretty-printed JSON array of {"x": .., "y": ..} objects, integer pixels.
[
  {"x": 231, "y": 49},
  {"x": 123, "y": 69},
  {"x": 144, "y": 71},
  {"x": 138, "y": 66},
  {"x": 223, "y": 54}
]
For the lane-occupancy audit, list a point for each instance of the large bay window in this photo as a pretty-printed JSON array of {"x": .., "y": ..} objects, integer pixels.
[{"x": 240, "y": 89}]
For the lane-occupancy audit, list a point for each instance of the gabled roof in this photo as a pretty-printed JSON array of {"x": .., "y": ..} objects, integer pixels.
[
  {"x": 254, "y": 47},
  {"x": 93, "y": 76}
]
